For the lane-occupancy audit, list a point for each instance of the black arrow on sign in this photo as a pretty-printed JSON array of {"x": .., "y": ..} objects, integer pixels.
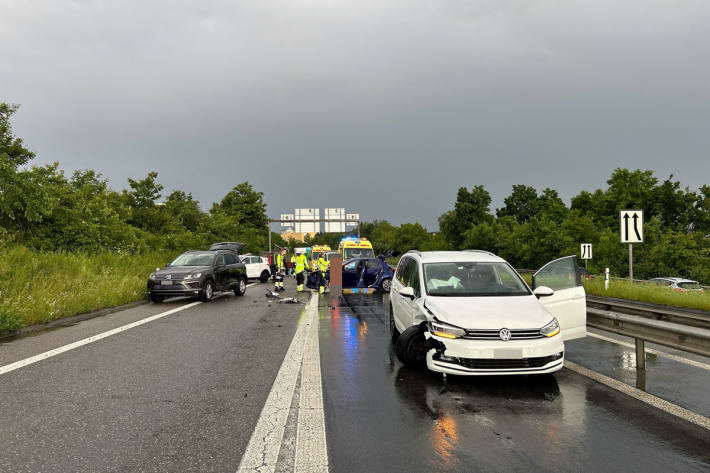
[
  {"x": 638, "y": 235},
  {"x": 626, "y": 226}
]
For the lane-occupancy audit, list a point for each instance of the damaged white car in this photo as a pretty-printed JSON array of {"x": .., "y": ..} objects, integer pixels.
[{"x": 470, "y": 313}]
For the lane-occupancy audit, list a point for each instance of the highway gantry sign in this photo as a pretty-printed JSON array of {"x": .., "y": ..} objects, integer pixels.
[
  {"x": 586, "y": 250},
  {"x": 631, "y": 226}
]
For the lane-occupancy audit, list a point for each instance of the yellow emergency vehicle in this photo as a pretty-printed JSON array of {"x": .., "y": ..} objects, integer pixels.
[
  {"x": 316, "y": 251},
  {"x": 352, "y": 247}
]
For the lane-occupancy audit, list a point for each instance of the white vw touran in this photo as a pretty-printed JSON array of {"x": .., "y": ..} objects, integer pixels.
[{"x": 470, "y": 313}]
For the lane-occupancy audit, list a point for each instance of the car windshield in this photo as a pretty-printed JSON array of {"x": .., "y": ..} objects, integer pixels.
[
  {"x": 194, "y": 259},
  {"x": 350, "y": 253},
  {"x": 689, "y": 285},
  {"x": 473, "y": 280}
]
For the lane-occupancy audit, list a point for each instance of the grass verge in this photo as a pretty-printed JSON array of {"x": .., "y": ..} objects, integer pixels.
[
  {"x": 648, "y": 293},
  {"x": 652, "y": 294},
  {"x": 37, "y": 287}
]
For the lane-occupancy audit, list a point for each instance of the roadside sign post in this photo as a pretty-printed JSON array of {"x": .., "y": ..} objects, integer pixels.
[
  {"x": 630, "y": 232},
  {"x": 586, "y": 252}
]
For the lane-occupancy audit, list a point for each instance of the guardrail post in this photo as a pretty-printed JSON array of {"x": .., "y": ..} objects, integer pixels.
[{"x": 640, "y": 354}]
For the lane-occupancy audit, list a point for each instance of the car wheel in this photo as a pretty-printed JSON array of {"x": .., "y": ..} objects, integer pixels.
[
  {"x": 207, "y": 291},
  {"x": 156, "y": 299},
  {"x": 386, "y": 285},
  {"x": 241, "y": 287},
  {"x": 411, "y": 346},
  {"x": 394, "y": 333},
  {"x": 264, "y": 276}
]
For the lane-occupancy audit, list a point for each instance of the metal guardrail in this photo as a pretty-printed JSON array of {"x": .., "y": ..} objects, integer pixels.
[
  {"x": 680, "y": 329},
  {"x": 689, "y": 317}
]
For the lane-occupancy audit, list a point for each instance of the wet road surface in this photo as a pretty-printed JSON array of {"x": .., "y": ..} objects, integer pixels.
[
  {"x": 383, "y": 417},
  {"x": 181, "y": 393}
]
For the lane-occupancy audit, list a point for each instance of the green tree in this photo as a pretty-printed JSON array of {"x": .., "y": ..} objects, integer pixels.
[
  {"x": 522, "y": 204},
  {"x": 471, "y": 208},
  {"x": 245, "y": 205}
]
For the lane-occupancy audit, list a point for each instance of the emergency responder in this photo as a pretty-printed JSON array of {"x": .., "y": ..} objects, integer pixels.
[
  {"x": 280, "y": 269},
  {"x": 323, "y": 265},
  {"x": 301, "y": 266},
  {"x": 293, "y": 263}
]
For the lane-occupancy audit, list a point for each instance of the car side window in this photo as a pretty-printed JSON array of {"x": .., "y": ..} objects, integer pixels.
[
  {"x": 351, "y": 266},
  {"x": 402, "y": 271},
  {"x": 414, "y": 280},
  {"x": 373, "y": 264},
  {"x": 220, "y": 259},
  {"x": 559, "y": 274},
  {"x": 231, "y": 259}
]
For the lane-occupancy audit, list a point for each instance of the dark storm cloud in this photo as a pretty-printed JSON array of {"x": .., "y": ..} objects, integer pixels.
[{"x": 382, "y": 107}]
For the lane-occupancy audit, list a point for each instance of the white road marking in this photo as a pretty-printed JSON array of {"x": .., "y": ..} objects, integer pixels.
[
  {"x": 262, "y": 451},
  {"x": 86, "y": 341},
  {"x": 311, "y": 449},
  {"x": 670, "y": 356},
  {"x": 642, "y": 396},
  {"x": 94, "y": 338}
]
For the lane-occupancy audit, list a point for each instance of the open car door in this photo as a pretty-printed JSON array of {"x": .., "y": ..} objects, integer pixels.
[{"x": 569, "y": 302}]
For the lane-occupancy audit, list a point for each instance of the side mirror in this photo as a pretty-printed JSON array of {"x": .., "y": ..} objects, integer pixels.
[
  {"x": 407, "y": 292},
  {"x": 543, "y": 291},
  {"x": 167, "y": 264}
]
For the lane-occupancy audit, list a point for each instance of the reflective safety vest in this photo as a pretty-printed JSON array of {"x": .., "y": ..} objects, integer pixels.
[
  {"x": 323, "y": 264},
  {"x": 301, "y": 263},
  {"x": 280, "y": 261}
]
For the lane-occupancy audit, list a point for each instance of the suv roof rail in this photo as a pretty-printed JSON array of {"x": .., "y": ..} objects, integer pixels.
[
  {"x": 479, "y": 251},
  {"x": 414, "y": 251}
]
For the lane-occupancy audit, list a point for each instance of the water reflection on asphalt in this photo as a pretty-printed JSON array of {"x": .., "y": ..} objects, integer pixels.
[{"x": 383, "y": 416}]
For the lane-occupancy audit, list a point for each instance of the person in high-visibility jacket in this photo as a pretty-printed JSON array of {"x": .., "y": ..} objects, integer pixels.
[
  {"x": 301, "y": 266},
  {"x": 280, "y": 271},
  {"x": 323, "y": 265},
  {"x": 293, "y": 263}
]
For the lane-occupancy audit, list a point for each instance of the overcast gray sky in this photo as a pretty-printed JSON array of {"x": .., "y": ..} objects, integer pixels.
[{"x": 384, "y": 107}]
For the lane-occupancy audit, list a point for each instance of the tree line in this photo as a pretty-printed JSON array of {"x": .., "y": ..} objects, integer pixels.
[
  {"x": 42, "y": 208},
  {"x": 532, "y": 228}
]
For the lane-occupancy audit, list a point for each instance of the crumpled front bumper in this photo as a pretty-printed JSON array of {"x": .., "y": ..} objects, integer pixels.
[{"x": 495, "y": 357}]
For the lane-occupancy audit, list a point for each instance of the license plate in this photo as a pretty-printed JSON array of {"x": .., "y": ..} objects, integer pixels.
[
  {"x": 508, "y": 353},
  {"x": 166, "y": 283}
]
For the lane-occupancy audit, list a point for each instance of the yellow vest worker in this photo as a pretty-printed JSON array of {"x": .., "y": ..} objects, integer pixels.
[
  {"x": 323, "y": 265},
  {"x": 280, "y": 267},
  {"x": 301, "y": 264}
]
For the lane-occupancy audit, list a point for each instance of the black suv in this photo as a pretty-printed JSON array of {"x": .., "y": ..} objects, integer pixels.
[{"x": 199, "y": 274}]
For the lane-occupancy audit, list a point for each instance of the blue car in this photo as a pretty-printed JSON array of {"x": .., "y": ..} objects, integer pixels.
[{"x": 367, "y": 273}]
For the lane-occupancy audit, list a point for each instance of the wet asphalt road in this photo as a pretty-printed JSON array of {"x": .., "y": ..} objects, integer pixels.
[
  {"x": 181, "y": 393},
  {"x": 184, "y": 393},
  {"x": 383, "y": 417}
]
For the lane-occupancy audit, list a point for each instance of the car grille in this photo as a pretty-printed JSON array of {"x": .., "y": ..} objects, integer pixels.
[
  {"x": 500, "y": 364},
  {"x": 515, "y": 334}
]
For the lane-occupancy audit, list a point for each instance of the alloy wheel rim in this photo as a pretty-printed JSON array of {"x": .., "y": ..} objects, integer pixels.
[
  {"x": 208, "y": 291},
  {"x": 242, "y": 286}
]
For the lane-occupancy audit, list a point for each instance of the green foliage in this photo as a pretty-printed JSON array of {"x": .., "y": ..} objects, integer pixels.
[
  {"x": 471, "y": 208},
  {"x": 37, "y": 286},
  {"x": 648, "y": 293}
]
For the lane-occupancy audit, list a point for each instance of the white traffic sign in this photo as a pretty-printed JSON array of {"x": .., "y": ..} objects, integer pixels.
[
  {"x": 631, "y": 226},
  {"x": 586, "y": 250}
]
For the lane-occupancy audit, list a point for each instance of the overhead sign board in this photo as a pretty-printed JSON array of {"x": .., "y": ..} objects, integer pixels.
[
  {"x": 586, "y": 250},
  {"x": 337, "y": 214},
  {"x": 286, "y": 217},
  {"x": 353, "y": 219},
  {"x": 631, "y": 226}
]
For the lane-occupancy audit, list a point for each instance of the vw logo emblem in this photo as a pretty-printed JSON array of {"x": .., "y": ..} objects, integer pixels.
[
  {"x": 169, "y": 276},
  {"x": 504, "y": 334}
]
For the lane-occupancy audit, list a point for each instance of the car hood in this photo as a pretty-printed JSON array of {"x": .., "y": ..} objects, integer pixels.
[
  {"x": 491, "y": 313},
  {"x": 181, "y": 271}
]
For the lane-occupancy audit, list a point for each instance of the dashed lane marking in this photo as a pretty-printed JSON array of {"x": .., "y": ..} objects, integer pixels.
[
  {"x": 642, "y": 396},
  {"x": 670, "y": 356},
  {"x": 80, "y": 343}
]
